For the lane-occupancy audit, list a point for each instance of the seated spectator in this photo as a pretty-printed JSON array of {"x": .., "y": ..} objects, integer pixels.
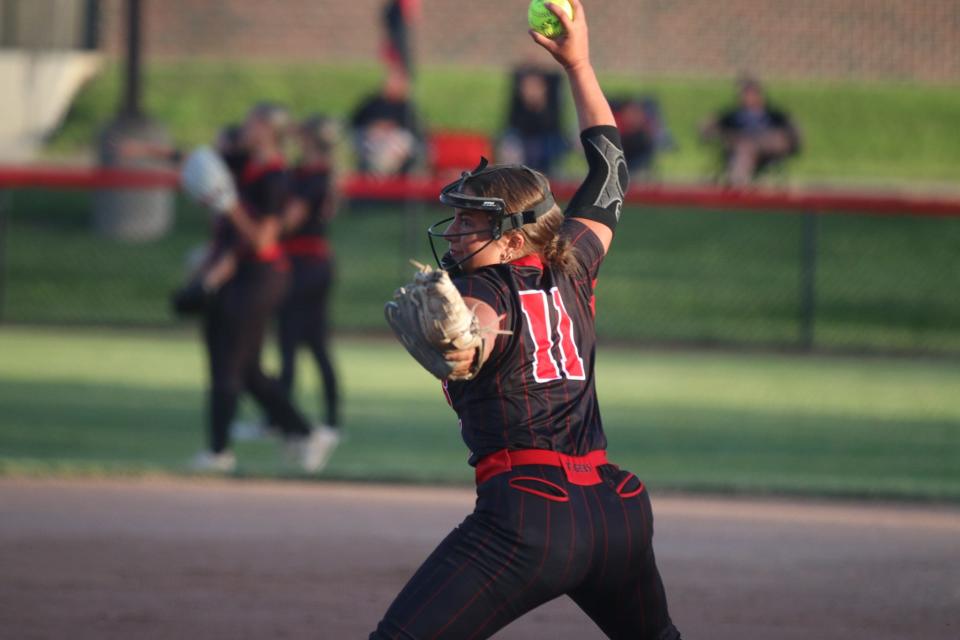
[
  {"x": 533, "y": 135},
  {"x": 643, "y": 132},
  {"x": 753, "y": 135},
  {"x": 386, "y": 132}
]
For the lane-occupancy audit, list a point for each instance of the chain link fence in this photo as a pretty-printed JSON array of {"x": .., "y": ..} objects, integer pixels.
[{"x": 679, "y": 276}]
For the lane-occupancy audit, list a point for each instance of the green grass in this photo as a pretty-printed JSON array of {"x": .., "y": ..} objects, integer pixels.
[
  {"x": 689, "y": 276},
  {"x": 94, "y": 402},
  {"x": 877, "y": 133}
]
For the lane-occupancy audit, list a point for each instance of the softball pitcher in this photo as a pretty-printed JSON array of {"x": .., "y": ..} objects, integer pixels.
[{"x": 509, "y": 327}]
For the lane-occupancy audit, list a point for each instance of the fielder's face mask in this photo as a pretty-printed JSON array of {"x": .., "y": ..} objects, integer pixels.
[{"x": 454, "y": 195}]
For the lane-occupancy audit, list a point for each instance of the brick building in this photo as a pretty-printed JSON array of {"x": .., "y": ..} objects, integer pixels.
[{"x": 826, "y": 39}]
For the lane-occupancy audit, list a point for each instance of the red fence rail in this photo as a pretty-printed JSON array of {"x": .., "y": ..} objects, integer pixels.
[
  {"x": 38, "y": 177},
  {"x": 426, "y": 190}
]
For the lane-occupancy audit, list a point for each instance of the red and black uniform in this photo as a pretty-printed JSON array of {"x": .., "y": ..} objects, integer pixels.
[
  {"x": 304, "y": 317},
  {"x": 538, "y": 383},
  {"x": 224, "y": 234},
  {"x": 236, "y": 322},
  {"x": 552, "y": 516}
]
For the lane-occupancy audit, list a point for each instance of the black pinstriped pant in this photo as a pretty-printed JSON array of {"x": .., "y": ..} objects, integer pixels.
[
  {"x": 303, "y": 320},
  {"x": 234, "y": 330},
  {"x": 528, "y": 542}
]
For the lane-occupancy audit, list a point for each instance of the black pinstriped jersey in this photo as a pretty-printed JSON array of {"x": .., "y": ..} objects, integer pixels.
[
  {"x": 313, "y": 186},
  {"x": 262, "y": 189},
  {"x": 537, "y": 390}
]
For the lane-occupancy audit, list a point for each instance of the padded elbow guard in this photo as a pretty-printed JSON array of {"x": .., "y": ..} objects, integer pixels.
[{"x": 600, "y": 197}]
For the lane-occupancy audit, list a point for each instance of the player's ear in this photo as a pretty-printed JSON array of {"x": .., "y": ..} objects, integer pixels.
[{"x": 516, "y": 242}]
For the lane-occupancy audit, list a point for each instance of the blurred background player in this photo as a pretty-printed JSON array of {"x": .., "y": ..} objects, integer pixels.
[
  {"x": 210, "y": 269},
  {"x": 236, "y": 319},
  {"x": 209, "y": 266},
  {"x": 753, "y": 135},
  {"x": 304, "y": 314},
  {"x": 534, "y": 134}
]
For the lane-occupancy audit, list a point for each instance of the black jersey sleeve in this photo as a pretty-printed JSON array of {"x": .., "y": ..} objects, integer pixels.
[
  {"x": 600, "y": 197},
  {"x": 484, "y": 289},
  {"x": 314, "y": 189},
  {"x": 587, "y": 247},
  {"x": 304, "y": 187},
  {"x": 276, "y": 188},
  {"x": 223, "y": 234}
]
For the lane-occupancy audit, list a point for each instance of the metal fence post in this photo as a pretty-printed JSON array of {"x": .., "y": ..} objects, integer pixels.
[
  {"x": 91, "y": 26},
  {"x": 4, "y": 198},
  {"x": 410, "y": 237},
  {"x": 808, "y": 278}
]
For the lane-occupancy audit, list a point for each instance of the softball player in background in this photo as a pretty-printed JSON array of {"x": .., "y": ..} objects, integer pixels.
[
  {"x": 304, "y": 315},
  {"x": 237, "y": 316}
]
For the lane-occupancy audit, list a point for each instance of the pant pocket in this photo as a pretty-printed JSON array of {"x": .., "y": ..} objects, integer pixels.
[
  {"x": 540, "y": 487},
  {"x": 630, "y": 486}
]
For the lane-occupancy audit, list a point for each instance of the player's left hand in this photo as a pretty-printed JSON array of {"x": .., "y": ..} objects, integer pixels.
[
  {"x": 434, "y": 324},
  {"x": 461, "y": 362}
]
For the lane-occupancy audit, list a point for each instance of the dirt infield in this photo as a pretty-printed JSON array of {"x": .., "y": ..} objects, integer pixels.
[{"x": 236, "y": 559}]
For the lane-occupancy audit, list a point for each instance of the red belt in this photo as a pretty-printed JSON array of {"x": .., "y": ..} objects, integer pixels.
[
  {"x": 580, "y": 470},
  {"x": 312, "y": 246},
  {"x": 269, "y": 253},
  {"x": 272, "y": 255}
]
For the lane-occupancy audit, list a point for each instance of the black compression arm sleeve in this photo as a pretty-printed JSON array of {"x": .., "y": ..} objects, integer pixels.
[{"x": 600, "y": 197}]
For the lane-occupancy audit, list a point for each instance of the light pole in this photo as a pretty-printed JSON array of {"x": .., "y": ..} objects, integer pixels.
[
  {"x": 130, "y": 108},
  {"x": 132, "y": 214}
]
